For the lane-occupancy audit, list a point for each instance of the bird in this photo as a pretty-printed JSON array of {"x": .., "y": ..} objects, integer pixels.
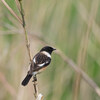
[{"x": 39, "y": 62}]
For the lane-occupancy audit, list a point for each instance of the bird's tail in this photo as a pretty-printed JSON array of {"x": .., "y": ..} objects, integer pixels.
[{"x": 26, "y": 79}]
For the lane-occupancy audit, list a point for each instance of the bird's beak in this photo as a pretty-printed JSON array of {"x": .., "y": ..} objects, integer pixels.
[{"x": 54, "y": 49}]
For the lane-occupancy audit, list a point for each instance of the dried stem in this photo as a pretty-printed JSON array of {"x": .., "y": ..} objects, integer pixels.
[
  {"x": 34, "y": 84},
  {"x": 11, "y": 11},
  {"x": 18, "y": 5},
  {"x": 28, "y": 46}
]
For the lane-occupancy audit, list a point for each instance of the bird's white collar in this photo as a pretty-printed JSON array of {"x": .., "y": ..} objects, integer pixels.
[{"x": 46, "y": 53}]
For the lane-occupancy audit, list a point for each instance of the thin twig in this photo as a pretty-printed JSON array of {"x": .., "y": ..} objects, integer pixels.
[
  {"x": 35, "y": 86},
  {"x": 11, "y": 11},
  {"x": 28, "y": 47},
  {"x": 26, "y": 37},
  {"x": 18, "y": 5}
]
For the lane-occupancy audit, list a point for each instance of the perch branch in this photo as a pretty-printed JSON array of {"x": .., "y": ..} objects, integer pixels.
[
  {"x": 28, "y": 47},
  {"x": 22, "y": 22}
]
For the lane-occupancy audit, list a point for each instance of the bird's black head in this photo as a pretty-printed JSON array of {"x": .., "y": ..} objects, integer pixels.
[{"x": 48, "y": 49}]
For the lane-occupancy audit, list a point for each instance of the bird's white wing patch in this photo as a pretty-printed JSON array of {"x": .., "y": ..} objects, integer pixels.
[
  {"x": 34, "y": 60},
  {"x": 41, "y": 65}
]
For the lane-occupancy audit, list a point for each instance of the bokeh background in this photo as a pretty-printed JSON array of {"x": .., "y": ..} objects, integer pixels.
[{"x": 73, "y": 26}]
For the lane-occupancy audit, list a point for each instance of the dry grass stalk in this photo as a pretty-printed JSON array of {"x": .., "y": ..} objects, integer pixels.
[
  {"x": 19, "y": 5},
  {"x": 28, "y": 48},
  {"x": 11, "y": 11}
]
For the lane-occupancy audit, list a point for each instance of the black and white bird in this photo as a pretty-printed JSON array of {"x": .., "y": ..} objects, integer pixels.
[{"x": 40, "y": 61}]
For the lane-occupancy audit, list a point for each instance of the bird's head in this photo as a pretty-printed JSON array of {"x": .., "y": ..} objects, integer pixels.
[{"x": 48, "y": 49}]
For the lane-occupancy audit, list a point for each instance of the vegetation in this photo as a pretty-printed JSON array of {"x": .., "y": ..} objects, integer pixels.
[{"x": 72, "y": 26}]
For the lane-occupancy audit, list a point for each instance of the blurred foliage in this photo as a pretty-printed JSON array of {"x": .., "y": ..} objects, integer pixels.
[{"x": 59, "y": 22}]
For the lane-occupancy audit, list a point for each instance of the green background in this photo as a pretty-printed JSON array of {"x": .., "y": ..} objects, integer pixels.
[{"x": 73, "y": 26}]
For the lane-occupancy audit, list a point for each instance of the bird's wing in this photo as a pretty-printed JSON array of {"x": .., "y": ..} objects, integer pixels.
[{"x": 40, "y": 60}]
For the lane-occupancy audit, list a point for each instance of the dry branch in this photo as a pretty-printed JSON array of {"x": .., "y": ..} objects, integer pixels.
[
  {"x": 27, "y": 45},
  {"x": 19, "y": 5}
]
